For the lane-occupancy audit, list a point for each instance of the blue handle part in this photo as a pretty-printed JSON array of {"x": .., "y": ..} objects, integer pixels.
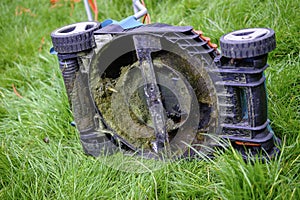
[{"x": 127, "y": 23}]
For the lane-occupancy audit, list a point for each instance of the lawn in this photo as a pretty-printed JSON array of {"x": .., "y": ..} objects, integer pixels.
[{"x": 34, "y": 106}]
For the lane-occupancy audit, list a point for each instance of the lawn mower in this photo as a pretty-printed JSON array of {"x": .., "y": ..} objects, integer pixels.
[{"x": 162, "y": 90}]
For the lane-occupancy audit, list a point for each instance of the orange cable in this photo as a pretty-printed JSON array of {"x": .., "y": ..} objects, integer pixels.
[
  {"x": 146, "y": 17},
  {"x": 93, "y": 4}
]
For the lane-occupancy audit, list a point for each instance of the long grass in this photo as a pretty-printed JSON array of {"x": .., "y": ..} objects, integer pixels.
[{"x": 34, "y": 106}]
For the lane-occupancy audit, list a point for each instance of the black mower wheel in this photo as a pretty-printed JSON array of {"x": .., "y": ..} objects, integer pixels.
[
  {"x": 247, "y": 43},
  {"x": 74, "y": 37}
]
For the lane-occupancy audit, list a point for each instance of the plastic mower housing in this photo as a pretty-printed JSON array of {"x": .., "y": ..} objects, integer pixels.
[{"x": 160, "y": 89}]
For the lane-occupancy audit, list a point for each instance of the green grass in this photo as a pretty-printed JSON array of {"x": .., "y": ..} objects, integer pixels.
[{"x": 33, "y": 169}]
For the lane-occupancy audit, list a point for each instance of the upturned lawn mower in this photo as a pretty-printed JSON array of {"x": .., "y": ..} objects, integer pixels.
[{"x": 157, "y": 89}]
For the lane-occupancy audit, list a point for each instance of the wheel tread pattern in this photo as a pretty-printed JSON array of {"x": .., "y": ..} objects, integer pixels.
[
  {"x": 248, "y": 49},
  {"x": 74, "y": 42}
]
